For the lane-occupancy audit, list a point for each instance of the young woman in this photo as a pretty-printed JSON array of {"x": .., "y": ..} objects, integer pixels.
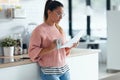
[{"x": 42, "y": 47}]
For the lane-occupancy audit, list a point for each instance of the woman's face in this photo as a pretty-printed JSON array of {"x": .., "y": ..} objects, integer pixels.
[{"x": 57, "y": 14}]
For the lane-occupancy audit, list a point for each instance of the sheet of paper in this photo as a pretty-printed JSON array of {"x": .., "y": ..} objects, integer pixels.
[{"x": 75, "y": 39}]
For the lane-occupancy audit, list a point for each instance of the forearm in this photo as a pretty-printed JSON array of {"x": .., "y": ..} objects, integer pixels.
[{"x": 46, "y": 50}]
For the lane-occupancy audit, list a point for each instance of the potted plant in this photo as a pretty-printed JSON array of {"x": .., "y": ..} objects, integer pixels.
[{"x": 8, "y": 46}]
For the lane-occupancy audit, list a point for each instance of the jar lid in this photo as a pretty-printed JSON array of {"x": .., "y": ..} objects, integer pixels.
[{"x": 24, "y": 46}]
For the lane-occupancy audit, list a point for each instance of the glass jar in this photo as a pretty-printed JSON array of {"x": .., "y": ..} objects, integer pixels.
[{"x": 18, "y": 47}]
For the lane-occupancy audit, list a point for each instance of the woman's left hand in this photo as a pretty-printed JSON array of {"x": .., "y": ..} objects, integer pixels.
[
  {"x": 75, "y": 45},
  {"x": 69, "y": 48}
]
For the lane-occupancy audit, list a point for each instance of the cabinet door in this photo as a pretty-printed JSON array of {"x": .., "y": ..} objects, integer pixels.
[
  {"x": 84, "y": 67},
  {"x": 22, "y": 72}
]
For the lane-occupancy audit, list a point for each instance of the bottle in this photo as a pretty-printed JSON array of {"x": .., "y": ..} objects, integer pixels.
[
  {"x": 24, "y": 48},
  {"x": 18, "y": 47}
]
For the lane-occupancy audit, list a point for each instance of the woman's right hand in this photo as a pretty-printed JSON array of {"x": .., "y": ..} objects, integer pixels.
[
  {"x": 50, "y": 48},
  {"x": 53, "y": 45}
]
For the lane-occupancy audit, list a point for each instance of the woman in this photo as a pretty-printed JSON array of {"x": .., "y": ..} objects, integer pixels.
[{"x": 42, "y": 47}]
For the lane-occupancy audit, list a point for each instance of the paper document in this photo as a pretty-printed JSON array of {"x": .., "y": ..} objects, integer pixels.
[{"x": 70, "y": 43}]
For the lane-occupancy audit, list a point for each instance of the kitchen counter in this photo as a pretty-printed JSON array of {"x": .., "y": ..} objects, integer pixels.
[
  {"x": 80, "y": 61},
  {"x": 14, "y": 61},
  {"x": 80, "y": 52},
  {"x": 23, "y": 59}
]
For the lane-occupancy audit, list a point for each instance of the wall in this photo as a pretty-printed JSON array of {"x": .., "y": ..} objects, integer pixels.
[{"x": 33, "y": 9}]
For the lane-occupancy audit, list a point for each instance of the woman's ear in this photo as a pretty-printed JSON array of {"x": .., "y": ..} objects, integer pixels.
[{"x": 49, "y": 12}]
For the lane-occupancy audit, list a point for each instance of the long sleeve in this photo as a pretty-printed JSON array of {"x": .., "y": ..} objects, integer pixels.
[{"x": 35, "y": 46}]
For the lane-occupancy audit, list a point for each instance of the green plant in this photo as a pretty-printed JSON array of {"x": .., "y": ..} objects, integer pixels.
[{"x": 8, "y": 42}]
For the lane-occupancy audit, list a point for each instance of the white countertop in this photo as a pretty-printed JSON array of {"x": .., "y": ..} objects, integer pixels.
[
  {"x": 81, "y": 52},
  {"x": 74, "y": 52}
]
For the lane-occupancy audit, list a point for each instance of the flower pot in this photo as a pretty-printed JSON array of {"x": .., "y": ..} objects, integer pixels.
[{"x": 8, "y": 51}]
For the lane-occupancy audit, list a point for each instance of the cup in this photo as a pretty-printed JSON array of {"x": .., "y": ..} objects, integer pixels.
[{"x": 59, "y": 43}]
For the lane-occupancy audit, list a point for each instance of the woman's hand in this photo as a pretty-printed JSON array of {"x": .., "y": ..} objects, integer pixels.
[
  {"x": 75, "y": 45},
  {"x": 49, "y": 49},
  {"x": 53, "y": 45},
  {"x": 69, "y": 48}
]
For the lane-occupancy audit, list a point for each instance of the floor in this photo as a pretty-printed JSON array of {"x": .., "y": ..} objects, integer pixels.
[{"x": 103, "y": 75}]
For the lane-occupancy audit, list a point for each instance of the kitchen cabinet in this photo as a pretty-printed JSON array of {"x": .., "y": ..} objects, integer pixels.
[
  {"x": 22, "y": 72},
  {"x": 83, "y": 65}
]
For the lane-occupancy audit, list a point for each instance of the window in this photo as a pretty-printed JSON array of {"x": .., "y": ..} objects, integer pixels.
[
  {"x": 115, "y": 2},
  {"x": 98, "y": 17}
]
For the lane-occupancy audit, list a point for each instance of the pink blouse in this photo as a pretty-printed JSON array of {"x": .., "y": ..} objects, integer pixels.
[{"x": 41, "y": 37}]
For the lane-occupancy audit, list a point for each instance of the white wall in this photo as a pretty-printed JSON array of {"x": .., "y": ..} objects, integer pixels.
[
  {"x": 33, "y": 10},
  {"x": 34, "y": 14}
]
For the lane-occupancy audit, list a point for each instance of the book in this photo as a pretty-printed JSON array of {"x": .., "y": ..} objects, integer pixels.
[{"x": 70, "y": 43}]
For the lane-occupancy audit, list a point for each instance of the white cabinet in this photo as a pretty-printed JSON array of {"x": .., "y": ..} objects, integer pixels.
[
  {"x": 113, "y": 43},
  {"x": 22, "y": 72},
  {"x": 84, "y": 67}
]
